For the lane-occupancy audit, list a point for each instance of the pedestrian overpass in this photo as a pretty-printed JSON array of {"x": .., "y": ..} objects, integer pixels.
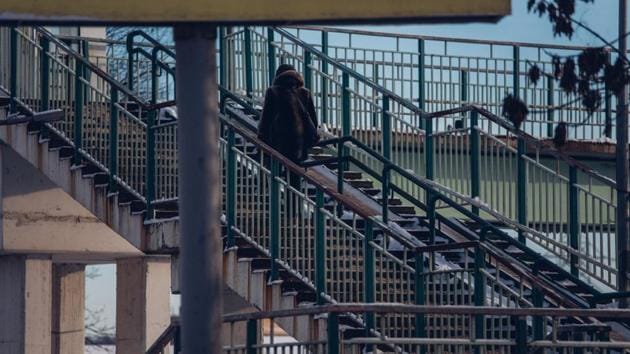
[{"x": 425, "y": 221}]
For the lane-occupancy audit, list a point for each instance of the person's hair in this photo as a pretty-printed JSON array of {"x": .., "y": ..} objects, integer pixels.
[{"x": 284, "y": 67}]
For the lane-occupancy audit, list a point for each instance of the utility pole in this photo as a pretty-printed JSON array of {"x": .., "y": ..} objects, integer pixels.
[
  {"x": 199, "y": 188},
  {"x": 623, "y": 249}
]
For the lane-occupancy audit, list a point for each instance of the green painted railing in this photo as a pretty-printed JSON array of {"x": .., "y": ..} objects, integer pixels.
[
  {"x": 527, "y": 186},
  {"x": 426, "y": 70},
  {"x": 562, "y": 339},
  {"x": 579, "y": 231},
  {"x": 343, "y": 253}
]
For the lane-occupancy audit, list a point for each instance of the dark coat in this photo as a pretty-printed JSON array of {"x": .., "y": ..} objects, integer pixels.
[{"x": 281, "y": 124}]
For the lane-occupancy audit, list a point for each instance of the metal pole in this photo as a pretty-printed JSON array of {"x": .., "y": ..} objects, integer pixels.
[
  {"x": 622, "y": 165},
  {"x": 199, "y": 188}
]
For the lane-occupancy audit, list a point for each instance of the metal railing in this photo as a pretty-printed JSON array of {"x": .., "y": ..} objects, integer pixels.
[
  {"x": 329, "y": 334},
  {"x": 569, "y": 215},
  {"x": 565, "y": 207},
  {"x": 341, "y": 251},
  {"x": 440, "y": 73}
]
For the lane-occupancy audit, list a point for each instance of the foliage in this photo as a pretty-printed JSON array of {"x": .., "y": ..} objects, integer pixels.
[{"x": 588, "y": 75}]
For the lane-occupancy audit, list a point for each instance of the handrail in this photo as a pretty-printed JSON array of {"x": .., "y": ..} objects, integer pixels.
[
  {"x": 619, "y": 314},
  {"x": 570, "y": 161},
  {"x": 300, "y": 170},
  {"x": 131, "y": 35},
  {"x": 527, "y": 137},
  {"x": 102, "y": 40},
  {"x": 436, "y": 194},
  {"x": 93, "y": 68},
  {"x": 324, "y": 57},
  {"x": 437, "y": 38}
]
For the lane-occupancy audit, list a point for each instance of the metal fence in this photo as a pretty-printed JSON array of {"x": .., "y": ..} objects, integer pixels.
[{"x": 328, "y": 332}]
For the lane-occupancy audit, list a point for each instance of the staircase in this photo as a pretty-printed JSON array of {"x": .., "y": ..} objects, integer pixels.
[{"x": 340, "y": 238}]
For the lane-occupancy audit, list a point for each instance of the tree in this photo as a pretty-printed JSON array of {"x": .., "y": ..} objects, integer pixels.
[{"x": 588, "y": 75}]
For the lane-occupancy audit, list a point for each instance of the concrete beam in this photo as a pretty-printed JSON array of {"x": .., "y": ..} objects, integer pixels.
[
  {"x": 25, "y": 304},
  {"x": 68, "y": 309},
  {"x": 143, "y": 290}
]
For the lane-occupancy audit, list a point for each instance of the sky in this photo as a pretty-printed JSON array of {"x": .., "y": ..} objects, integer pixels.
[{"x": 519, "y": 26}]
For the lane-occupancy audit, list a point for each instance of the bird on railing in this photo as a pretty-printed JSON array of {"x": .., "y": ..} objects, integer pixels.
[
  {"x": 515, "y": 110},
  {"x": 560, "y": 136}
]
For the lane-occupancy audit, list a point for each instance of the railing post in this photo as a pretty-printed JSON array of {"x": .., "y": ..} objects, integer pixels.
[
  {"x": 521, "y": 188},
  {"x": 574, "y": 220},
  {"x": 521, "y": 334},
  {"x": 252, "y": 336},
  {"x": 608, "y": 123},
  {"x": 431, "y": 214},
  {"x": 345, "y": 114},
  {"x": 150, "y": 171},
  {"x": 419, "y": 290},
  {"x": 275, "y": 218},
  {"x": 113, "y": 138},
  {"x": 320, "y": 247},
  {"x": 386, "y": 175},
  {"x": 130, "y": 62},
  {"x": 516, "y": 77},
  {"x": 249, "y": 79},
  {"x": 231, "y": 187},
  {"x": 340, "y": 162},
  {"x": 14, "y": 70},
  {"x": 386, "y": 130},
  {"x": 308, "y": 72},
  {"x": 44, "y": 73},
  {"x": 368, "y": 272},
  {"x": 475, "y": 154},
  {"x": 550, "y": 104},
  {"x": 177, "y": 341},
  {"x": 154, "y": 77},
  {"x": 464, "y": 86},
  {"x": 421, "y": 79},
  {"x": 324, "y": 114},
  {"x": 222, "y": 56},
  {"x": 271, "y": 55},
  {"x": 78, "y": 111},
  {"x": 479, "y": 292},
  {"x": 333, "y": 333},
  {"x": 537, "y": 301}
]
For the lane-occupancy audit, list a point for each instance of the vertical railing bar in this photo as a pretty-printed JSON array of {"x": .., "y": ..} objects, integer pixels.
[
  {"x": 113, "y": 138},
  {"x": 150, "y": 168},
  {"x": 420, "y": 284},
  {"x": 368, "y": 271},
  {"x": 320, "y": 248},
  {"x": 78, "y": 112},
  {"x": 475, "y": 154},
  {"x": 324, "y": 83},
  {"x": 231, "y": 187},
  {"x": 274, "y": 221},
  {"x": 14, "y": 70},
  {"x": 248, "y": 62},
  {"x": 333, "y": 333},
  {"x": 574, "y": 222},
  {"x": 44, "y": 73},
  {"x": 271, "y": 54}
]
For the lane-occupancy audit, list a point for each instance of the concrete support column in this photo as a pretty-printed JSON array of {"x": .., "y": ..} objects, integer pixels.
[
  {"x": 25, "y": 304},
  {"x": 143, "y": 290},
  {"x": 68, "y": 309}
]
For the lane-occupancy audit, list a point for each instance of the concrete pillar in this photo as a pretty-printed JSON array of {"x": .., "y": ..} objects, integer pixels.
[
  {"x": 143, "y": 290},
  {"x": 25, "y": 304},
  {"x": 68, "y": 309}
]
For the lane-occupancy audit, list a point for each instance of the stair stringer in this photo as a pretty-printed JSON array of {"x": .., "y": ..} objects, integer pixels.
[{"x": 60, "y": 170}]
